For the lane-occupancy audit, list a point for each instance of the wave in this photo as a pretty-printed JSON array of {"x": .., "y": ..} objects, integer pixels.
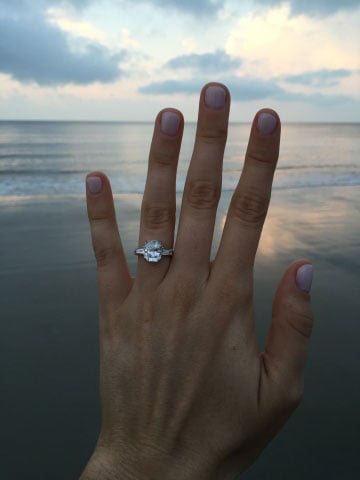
[
  {"x": 50, "y": 184},
  {"x": 30, "y": 156},
  {"x": 41, "y": 171},
  {"x": 318, "y": 167}
]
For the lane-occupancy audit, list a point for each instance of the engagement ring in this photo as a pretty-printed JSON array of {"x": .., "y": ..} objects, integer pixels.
[{"x": 153, "y": 250}]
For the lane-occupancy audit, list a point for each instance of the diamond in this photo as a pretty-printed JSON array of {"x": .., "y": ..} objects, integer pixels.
[{"x": 152, "y": 251}]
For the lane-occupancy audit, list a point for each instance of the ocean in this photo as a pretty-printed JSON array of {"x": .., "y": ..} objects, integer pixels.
[
  {"x": 49, "y": 403},
  {"x": 52, "y": 158}
]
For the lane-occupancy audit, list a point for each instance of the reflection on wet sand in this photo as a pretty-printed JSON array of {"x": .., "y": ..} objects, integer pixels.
[{"x": 322, "y": 223}]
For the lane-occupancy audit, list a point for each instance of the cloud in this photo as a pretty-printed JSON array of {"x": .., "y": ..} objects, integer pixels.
[
  {"x": 245, "y": 90},
  {"x": 76, "y": 27},
  {"x": 32, "y": 50},
  {"x": 164, "y": 87},
  {"x": 27, "y": 5},
  {"x": 319, "y": 78},
  {"x": 76, "y": 4},
  {"x": 274, "y": 44},
  {"x": 248, "y": 89},
  {"x": 199, "y": 7},
  {"x": 212, "y": 62},
  {"x": 317, "y": 8}
]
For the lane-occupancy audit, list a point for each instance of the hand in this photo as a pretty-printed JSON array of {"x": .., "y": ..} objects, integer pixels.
[{"x": 185, "y": 392}]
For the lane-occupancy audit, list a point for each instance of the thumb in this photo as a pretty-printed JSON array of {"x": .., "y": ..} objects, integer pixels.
[{"x": 290, "y": 330}]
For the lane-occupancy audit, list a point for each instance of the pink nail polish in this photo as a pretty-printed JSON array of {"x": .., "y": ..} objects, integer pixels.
[
  {"x": 94, "y": 184},
  {"x": 215, "y": 97},
  {"x": 266, "y": 123},
  {"x": 170, "y": 122},
  {"x": 304, "y": 277}
]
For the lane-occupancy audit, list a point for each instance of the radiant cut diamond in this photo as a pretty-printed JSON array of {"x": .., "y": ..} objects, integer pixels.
[{"x": 152, "y": 251}]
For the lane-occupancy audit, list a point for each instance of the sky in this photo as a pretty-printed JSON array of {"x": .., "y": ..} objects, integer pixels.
[{"x": 125, "y": 60}]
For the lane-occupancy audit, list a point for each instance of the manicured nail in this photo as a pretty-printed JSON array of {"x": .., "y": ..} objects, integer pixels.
[
  {"x": 266, "y": 123},
  {"x": 304, "y": 277},
  {"x": 170, "y": 122},
  {"x": 94, "y": 184},
  {"x": 215, "y": 97}
]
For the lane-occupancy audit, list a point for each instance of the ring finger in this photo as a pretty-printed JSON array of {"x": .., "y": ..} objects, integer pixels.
[{"x": 158, "y": 209}]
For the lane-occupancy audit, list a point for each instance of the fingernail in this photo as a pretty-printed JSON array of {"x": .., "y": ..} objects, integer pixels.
[
  {"x": 304, "y": 277},
  {"x": 94, "y": 184},
  {"x": 266, "y": 123},
  {"x": 170, "y": 122},
  {"x": 215, "y": 97}
]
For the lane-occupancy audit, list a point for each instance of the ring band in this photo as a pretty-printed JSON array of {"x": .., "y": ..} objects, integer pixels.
[{"x": 153, "y": 251}]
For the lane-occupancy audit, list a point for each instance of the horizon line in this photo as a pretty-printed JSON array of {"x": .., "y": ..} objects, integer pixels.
[{"x": 245, "y": 122}]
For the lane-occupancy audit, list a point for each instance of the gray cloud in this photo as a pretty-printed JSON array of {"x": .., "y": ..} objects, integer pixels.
[
  {"x": 78, "y": 5},
  {"x": 188, "y": 87},
  {"x": 313, "y": 7},
  {"x": 243, "y": 89},
  {"x": 199, "y": 7},
  {"x": 33, "y": 51},
  {"x": 75, "y": 3},
  {"x": 319, "y": 78},
  {"x": 13, "y": 3},
  {"x": 212, "y": 62}
]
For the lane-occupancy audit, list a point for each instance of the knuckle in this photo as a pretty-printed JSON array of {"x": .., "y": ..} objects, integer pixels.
[
  {"x": 105, "y": 239},
  {"x": 102, "y": 216},
  {"x": 181, "y": 292},
  {"x": 226, "y": 292},
  {"x": 203, "y": 195},
  {"x": 302, "y": 323},
  {"x": 163, "y": 158},
  {"x": 157, "y": 216},
  {"x": 184, "y": 292},
  {"x": 294, "y": 395},
  {"x": 263, "y": 154},
  {"x": 212, "y": 135},
  {"x": 289, "y": 395},
  {"x": 246, "y": 295},
  {"x": 250, "y": 207},
  {"x": 299, "y": 320},
  {"x": 105, "y": 254},
  {"x": 223, "y": 301}
]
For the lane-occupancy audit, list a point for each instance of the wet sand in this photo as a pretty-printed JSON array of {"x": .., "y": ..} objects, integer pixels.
[{"x": 48, "y": 337}]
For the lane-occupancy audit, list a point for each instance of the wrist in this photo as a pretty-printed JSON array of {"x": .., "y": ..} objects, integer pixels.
[{"x": 107, "y": 466}]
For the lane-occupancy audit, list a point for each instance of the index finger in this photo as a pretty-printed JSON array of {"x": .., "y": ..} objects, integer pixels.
[{"x": 251, "y": 199}]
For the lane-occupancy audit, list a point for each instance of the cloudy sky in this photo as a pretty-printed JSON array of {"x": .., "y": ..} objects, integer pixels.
[{"x": 125, "y": 59}]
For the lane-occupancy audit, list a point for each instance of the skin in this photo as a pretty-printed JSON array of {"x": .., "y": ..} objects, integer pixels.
[{"x": 185, "y": 391}]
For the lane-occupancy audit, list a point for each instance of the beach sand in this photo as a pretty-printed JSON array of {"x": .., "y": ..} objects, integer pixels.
[{"x": 49, "y": 345}]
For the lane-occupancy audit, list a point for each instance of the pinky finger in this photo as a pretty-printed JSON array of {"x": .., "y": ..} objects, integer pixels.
[{"x": 114, "y": 280}]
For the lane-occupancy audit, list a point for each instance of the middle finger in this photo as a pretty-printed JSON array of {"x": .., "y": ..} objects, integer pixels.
[{"x": 203, "y": 183}]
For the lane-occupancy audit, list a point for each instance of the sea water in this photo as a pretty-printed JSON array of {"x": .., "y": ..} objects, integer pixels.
[{"x": 52, "y": 158}]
